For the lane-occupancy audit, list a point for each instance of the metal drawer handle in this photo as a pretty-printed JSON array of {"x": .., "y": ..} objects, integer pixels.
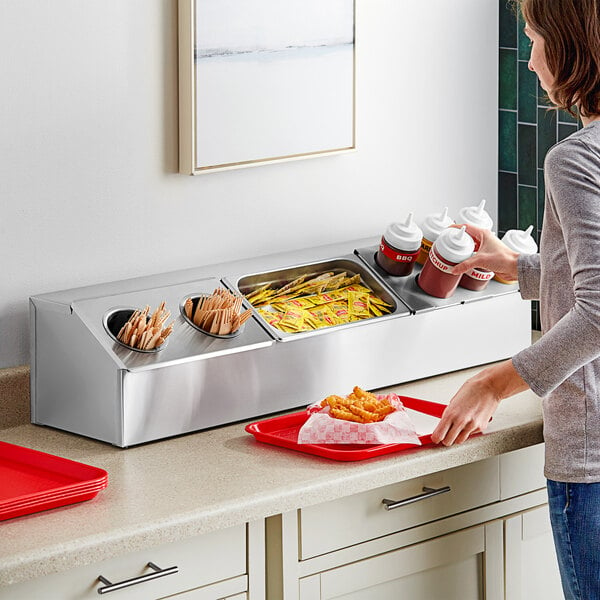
[
  {"x": 427, "y": 493},
  {"x": 157, "y": 572}
]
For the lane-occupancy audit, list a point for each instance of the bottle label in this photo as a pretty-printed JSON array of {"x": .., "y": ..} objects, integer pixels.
[
  {"x": 395, "y": 255},
  {"x": 480, "y": 274},
  {"x": 438, "y": 262}
]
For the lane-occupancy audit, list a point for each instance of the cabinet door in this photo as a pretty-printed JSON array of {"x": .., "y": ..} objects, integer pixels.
[
  {"x": 200, "y": 561},
  {"x": 466, "y": 565},
  {"x": 522, "y": 471},
  {"x": 531, "y": 565}
]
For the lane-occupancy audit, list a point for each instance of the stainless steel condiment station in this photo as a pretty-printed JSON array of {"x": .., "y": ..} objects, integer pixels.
[{"x": 86, "y": 382}]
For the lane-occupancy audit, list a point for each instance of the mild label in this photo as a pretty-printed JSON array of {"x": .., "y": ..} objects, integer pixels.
[{"x": 479, "y": 274}]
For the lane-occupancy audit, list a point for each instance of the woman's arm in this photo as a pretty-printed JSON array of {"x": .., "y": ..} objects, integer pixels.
[
  {"x": 472, "y": 407},
  {"x": 490, "y": 254},
  {"x": 493, "y": 255}
]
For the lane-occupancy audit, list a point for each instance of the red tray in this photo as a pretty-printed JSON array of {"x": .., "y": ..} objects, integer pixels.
[
  {"x": 31, "y": 481},
  {"x": 283, "y": 431}
]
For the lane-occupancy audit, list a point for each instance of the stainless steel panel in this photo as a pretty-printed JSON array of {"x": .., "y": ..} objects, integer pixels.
[
  {"x": 247, "y": 283},
  {"x": 86, "y": 383},
  {"x": 75, "y": 384},
  {"x": 184, "y": 344},
  {"x": 408, "y": 289},
  {"x": 191, "y": 396}
]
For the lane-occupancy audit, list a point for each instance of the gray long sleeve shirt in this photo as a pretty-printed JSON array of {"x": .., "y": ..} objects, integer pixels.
[{"x": 563, "y": 367}]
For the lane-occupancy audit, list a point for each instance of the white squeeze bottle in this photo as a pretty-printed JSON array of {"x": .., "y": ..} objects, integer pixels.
[
  {"x": 520, "y": 241},
  {"x": 452, "y": 246},
  {"x": 475, "y": 215},
  {"x": 476, "y": 279},
  {"x": 432, "y": 226},
  {"x": 399, "y": 247}
]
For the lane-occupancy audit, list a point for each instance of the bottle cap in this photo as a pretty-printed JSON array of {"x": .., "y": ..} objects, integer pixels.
[
  {"x": 405, "y": 236},
  {"x": 454, "y": 244},
  {"x": 475, "y": 215},
  {"x": 520, "y": 241},
  {"x": 434, "y": 224}
]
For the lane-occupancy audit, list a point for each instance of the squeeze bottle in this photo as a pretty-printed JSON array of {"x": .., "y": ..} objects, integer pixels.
[
  {"x": 432, "y": 226},
  {"x": 476, "y": 279},
  {"x": 452, "y": 246},
  {"x": 520, "y": 241},
  {"x": 399, "y": 247}
]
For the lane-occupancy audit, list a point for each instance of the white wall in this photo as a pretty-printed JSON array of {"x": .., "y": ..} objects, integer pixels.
[{"x": 89, "y": 188}]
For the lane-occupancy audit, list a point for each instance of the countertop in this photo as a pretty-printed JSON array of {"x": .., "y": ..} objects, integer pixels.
[{"x": 173, "y": 489}]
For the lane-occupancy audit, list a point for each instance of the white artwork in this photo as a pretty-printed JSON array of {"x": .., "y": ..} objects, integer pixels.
[{"x": 272, "y": 80}]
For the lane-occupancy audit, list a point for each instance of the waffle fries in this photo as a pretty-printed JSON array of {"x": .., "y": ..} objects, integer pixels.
[
  {"x": 145, "y": 331},
  {"x": 218, "y": 313},
  {"x": 359, "y": 407}
]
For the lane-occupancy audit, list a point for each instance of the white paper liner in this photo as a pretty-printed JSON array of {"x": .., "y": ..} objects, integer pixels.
[{"x": 396, "y": 428}]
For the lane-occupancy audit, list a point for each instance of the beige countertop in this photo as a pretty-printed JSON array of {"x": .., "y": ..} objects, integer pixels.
[{"x": 182, "y": 487}]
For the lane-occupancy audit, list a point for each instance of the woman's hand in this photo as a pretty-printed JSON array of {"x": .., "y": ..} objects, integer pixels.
[
  {"x": 472, "y": 407},
  {"x": 490, "y": 254}
]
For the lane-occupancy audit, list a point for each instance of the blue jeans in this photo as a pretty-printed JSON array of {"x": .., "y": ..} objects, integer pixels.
[{"x": 575, "y": 518}]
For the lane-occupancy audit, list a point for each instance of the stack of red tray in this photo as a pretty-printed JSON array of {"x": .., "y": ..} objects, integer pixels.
[{"x": 32, "y": 481}]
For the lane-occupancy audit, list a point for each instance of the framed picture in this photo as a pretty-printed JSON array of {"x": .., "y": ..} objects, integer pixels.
[{"x": 262, "y": 81}]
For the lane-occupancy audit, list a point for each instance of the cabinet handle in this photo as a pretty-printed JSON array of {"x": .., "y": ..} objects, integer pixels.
[
  {"x": 156, "y": 573},
  {"x": 427, "y": 493}
]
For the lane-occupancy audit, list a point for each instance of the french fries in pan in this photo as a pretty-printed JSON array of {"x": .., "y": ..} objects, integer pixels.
[
  {"x": 218, "y": 313},
  {"x": 146, "y": 331},
  {"x": 359, "y": 406}
]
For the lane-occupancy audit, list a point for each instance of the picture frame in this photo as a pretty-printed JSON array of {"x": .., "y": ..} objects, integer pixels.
[{"x": 264, "y": 81}]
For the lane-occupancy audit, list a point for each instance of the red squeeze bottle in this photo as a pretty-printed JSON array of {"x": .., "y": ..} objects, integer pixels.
[
  {"x": 399, "y": 248},
  {"x": 452, "y": 246},
  {"x": 476, "y": 279}
]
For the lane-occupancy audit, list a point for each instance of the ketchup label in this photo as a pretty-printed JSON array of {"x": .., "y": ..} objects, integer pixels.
[
  {"x": 401, "y": 257},
  {"x": 480, "y": 274},
  {"x": 438, "y": 262}
]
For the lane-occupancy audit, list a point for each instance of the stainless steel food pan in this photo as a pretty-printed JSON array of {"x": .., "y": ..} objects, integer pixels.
[
  {"x": 349, "y": 264},
  {"x": 416, "y": 299}
]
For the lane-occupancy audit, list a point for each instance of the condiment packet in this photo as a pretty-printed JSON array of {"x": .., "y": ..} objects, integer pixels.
[{"x": 321, "y": 428}]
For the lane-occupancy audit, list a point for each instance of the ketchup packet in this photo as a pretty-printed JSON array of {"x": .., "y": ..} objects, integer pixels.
[{"x": 321, "y": 428}]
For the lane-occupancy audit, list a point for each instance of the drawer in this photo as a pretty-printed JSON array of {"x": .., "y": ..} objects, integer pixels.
[
  {"x": 200, "y": 561},
  {"x": 355, "y": 519},
  {"x": 226, "y": 590},
  {"x": 522, "y": 471}
]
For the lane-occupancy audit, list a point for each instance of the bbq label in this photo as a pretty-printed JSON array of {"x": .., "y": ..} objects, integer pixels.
[{"x": 402, "y": 257}]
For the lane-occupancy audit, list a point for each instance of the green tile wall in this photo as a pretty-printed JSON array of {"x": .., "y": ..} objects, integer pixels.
[{"x": 527, "y": 129}]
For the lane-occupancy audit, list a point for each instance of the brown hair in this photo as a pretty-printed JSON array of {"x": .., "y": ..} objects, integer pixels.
[{"x": 571, "y": 32}]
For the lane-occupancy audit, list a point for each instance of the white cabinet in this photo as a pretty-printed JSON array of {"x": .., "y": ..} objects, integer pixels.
[
  {"x": 450, "y": 537},
  {"x": 222, "y": 565},
  {"x": 452, "y": 491},
  {"x": 531, "y": 565},
  {"x": 522, "y": 471},
  {"x": 458, "y": 566}
]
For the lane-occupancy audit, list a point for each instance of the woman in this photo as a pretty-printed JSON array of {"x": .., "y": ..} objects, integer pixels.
[{"x": 563, "y": 367}]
